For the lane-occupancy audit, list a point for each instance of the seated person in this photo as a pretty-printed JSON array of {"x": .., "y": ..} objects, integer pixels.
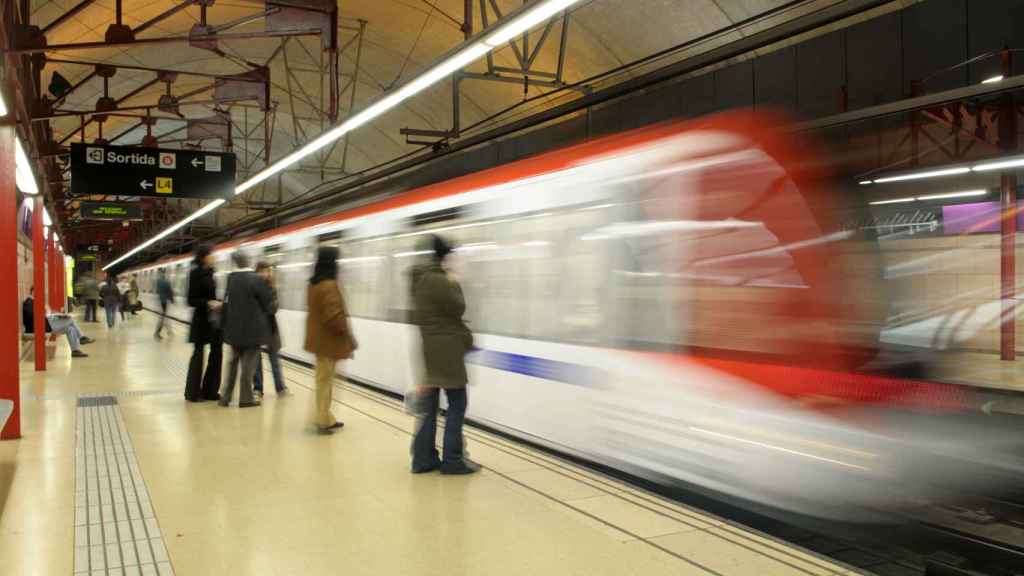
[{"x": 56, "y": 323}]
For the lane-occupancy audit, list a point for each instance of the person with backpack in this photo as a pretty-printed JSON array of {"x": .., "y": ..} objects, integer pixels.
[{"x": 265, "y": 272}]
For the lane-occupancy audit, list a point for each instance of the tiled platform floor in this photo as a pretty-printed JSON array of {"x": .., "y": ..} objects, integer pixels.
[{"x": 253, "y": 492}]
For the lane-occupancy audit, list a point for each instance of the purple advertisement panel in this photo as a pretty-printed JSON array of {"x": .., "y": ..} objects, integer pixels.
[{"x": 974, "y": 217}]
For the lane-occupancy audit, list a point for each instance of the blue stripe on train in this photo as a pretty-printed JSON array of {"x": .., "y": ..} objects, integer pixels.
[{"x": 555, "y": 370}]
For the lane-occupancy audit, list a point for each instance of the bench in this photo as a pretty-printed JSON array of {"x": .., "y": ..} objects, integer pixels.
[{"x": 28, "y": 347}]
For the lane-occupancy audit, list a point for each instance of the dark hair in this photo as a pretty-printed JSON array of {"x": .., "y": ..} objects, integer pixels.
[
  {"x": 262, "y": 265},
  {"x": 326, "y": 267},
  {"x": 441, "y": 247},
  {"x": 202, "y": 251},
  {"x": 241, "y": 259}
]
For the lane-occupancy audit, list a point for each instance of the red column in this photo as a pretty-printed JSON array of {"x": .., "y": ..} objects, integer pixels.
[
  {"x": 10, "y": 322},
  {"x": 61, "y": 281},
  {"x": 39, "y": 283},
  {"x": 1008, "y": 192},
  {"x": 52, "y": 270}
]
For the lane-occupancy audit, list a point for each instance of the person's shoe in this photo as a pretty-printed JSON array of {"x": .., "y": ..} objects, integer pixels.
[
  {"x": 258, "y": 395},
  {"x": 252, "y": 404},
  {"x": 336, "y": 426},
  {"x": 428, "y": 468},
  {"x": 284, "y": 392},
  {"x": 223, "y": 403},
  {"x": 85, "y": 340},
  {"x": 78, "y": 354},
  {"x": 460, "y": 468},
  {"x": 215, "y": 397}
]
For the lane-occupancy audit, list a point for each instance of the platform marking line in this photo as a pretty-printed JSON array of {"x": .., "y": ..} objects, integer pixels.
[{"x": 116, "y": 531}]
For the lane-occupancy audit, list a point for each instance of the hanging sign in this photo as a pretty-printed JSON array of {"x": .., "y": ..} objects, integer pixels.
[{"x": 128, "y": 171}]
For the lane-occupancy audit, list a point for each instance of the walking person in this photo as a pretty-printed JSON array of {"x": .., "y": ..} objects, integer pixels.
[
  {"x": 133, "y": 295},
  {"x": 111, "y": 296},
  {"x": 265, "y": 272},
  {"x": 124, "y": 288},
  {"x": 246, "y": 329},
  {"x": 91, "y": 295},
  {"x": 165, "y": 293},
  {"x": 204, "y": 330},
  {"x": 438, "y": 306},
  {"x": 328, "y": 333}
]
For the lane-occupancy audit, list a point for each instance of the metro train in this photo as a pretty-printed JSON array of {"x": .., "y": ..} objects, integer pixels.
[{"x": 672, "y": 302}]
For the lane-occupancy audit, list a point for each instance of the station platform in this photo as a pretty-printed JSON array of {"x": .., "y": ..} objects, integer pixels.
[{"x": 117, "y": 474}]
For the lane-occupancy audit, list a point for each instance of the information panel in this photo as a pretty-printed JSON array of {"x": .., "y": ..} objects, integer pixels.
[
  {"x": 128, "y": 171},
  {"x": 110, "y": 211}
]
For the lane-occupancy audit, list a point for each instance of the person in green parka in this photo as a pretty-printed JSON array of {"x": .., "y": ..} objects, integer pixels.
[{"x": 438, "y": 306}]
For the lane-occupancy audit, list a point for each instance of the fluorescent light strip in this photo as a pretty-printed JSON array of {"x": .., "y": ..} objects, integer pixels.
[
  {"x": 953, "y": 195},
  {"x": 3, "y": 106},
  {"x": 893, "y": 201},
  {"x": 927, "y": 174},
  {"x": 999, "y": 165},
  {"x": 993, "y": 79},
  {"x": 168, "y": 231},
  {"x": 23, "y": 176},
  {"x": 965, "y": 194},
  {"x": 530, "y": 17}
]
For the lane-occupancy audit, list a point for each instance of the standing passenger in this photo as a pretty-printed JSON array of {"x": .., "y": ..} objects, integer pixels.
[
  {"x": 91, "y": 295},
  {"x": 202, "y": 297},
  {"x": 111, "y": 299},
  {"x": 246, "y": 328},
  {"x": 166, "y": 295},
  {"x": 328, "y": 333},
  {"x": 264, "y": 271},
  {"x": 438, "y": 306},
  {"x": 124, "y": 289}
]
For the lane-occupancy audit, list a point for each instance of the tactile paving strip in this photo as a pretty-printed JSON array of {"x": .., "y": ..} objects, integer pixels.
[{"x": 116, "y": 531}]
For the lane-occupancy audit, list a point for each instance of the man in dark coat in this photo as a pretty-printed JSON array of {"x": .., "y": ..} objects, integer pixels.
[
  {"x": 166, "y": 294},
  {"x": 247, "y": 304},
  {"x": 204, "y": 330},
  {"x": 438, "y": 309}
]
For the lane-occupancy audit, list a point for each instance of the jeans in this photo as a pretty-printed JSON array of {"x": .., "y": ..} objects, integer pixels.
[
  {"x": 324, "y": 377},
  {"x": 111, "y": 310},
  {"x": 160, "y": 321},
  {"x": 200, "y": 386},
  {"x": 90, "y": 310},
  {"x": 275, "y": 370},
  {"x": 249, "y": 358},
  {"x": 68, "y": 327},
  {"x": 424, "y": 449}
]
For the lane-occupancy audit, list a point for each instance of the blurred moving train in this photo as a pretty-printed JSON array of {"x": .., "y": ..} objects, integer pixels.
[{"x": 672, "y": 302}]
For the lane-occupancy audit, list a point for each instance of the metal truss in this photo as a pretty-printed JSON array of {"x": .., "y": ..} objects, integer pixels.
[{"x": 526, "y": 74}]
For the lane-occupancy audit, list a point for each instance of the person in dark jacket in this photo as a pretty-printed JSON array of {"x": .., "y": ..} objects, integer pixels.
[
  {"x": 438, "y": 306},
  {"x": 246, "y": 328},
  {"x": 273, "y": 350},
  {"x": 205, "y": 330},
  {"x": 91, "y": 295},
  {"x": 111, "y": 296},
  {"x": 165, "y": 293},
  {"x": 328, "y": 333}
]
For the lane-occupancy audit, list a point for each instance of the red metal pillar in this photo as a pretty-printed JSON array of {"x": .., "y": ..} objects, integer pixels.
[
  {"x": 1008, "y": 193},
  {"x": 51, "y": 271},
  {"x": 39, "y": 283},
  {"x": 10, "y": 385}
]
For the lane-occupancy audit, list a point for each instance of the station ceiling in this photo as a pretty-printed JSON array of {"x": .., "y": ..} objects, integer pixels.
[{"x": 380, "y": 43}]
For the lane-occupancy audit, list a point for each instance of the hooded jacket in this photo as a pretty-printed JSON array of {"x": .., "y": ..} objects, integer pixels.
[{"x": 438, "y": 306}]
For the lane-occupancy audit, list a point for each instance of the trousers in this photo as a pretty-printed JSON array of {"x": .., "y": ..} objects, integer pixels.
[
  {"x": 324, "y": 391},
  {"x": 68, "y": 327},
  {"x": 424, "y": 449},
  {"x": 275, "y": 371},
  {"x": 249, "y": 358},
  {"x": 90, "y": 310},
  {"x": 200, "y": 386}
]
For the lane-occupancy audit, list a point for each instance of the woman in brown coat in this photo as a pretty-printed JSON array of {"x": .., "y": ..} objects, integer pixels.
[{"x": 328, "y": 334}]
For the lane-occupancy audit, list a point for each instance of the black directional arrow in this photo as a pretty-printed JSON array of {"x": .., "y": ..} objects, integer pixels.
[{"x": 145, "y": 185}]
